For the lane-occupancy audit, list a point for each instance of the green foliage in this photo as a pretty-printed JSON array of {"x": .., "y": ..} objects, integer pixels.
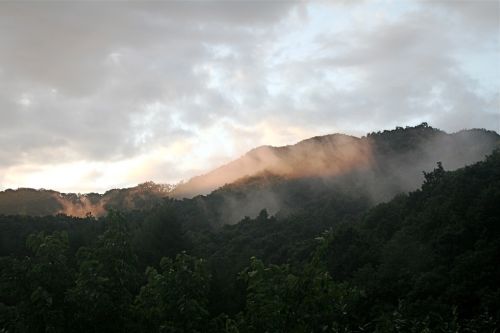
[
  {"x": 430, "y": 250},
  {"x": 159, "y": 235},
  {"x": 280, "y": 299},
  {"x": 426, "y": 261},
  {"x": 434, "y": 177},
  {"x": 176, "y": 298},
  {"x": 106, "y": 281},
  {"x": 33, "y": 288}
]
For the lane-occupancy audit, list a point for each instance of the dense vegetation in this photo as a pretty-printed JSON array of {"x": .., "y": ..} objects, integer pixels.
[{"x": 426, "y": 261}]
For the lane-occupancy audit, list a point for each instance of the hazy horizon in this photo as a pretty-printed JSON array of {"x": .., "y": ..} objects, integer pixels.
[{"x": 101, "y": 95}]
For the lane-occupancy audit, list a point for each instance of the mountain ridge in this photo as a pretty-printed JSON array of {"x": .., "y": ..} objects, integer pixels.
[
  {"x": 380, "y": 164},
  {"x": 268, "y": 158}
]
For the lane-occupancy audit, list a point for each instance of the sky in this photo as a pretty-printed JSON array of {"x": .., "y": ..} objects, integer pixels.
[{"x": 100, "y": 95}]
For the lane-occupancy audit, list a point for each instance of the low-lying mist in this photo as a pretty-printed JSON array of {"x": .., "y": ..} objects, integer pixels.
[
  {"x": 326, "y": 156},
  {"x": 283, "y": 180},
  {"x": 371, "y": 169}
]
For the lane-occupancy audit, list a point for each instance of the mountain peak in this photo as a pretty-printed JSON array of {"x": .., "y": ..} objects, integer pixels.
[
  {"x": 319, "y": 155},
  {"x": 383, "y": 163},
  {"x": 337, "y": 153}
]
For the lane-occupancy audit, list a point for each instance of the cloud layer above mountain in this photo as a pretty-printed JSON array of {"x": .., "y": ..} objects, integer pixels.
[{"x": 106, "y": 94}]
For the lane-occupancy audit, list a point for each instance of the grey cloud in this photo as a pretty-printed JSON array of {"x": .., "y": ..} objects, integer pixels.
[
  {"x": 65, "y": 44},
  {"x": 90, "y": 69},
  {"x": 408, "y": 74},
  {"x": 106, "y": 61},
  {"x": 482, "y": 16}
]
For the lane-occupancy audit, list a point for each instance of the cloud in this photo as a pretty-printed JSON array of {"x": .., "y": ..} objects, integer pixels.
[
  {"x": 85, "y": 86},
  {"x": 399, "y": 71},
  {"x": 480, "y": 17}
]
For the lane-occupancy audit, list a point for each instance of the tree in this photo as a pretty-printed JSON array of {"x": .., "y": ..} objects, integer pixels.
[
  {"x": 106, "y": 282},
  {"x": 280, "y": 300},
  {"x": 175, "y": 299},
  {"x": 433, "y": 177},
  {"x": 35, "y": 285}
]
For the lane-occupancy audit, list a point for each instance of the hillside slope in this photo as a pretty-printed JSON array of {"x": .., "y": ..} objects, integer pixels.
[
  {"x": 327, "y": 155},
  {"x": 372, "y": 169},
  {"x": 27, "y": 201},
  {"x": 284, "y": 179},
  {"x": 425, "y": 261},
  {"x": 403, "y": 153}
]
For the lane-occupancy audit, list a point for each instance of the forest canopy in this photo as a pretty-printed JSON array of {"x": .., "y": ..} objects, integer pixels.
[{"x": 423, "y": 261}]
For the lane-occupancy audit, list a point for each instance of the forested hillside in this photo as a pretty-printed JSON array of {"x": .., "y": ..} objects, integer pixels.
[
  {"x": 283, "y": 179},
  {"x": 239, "y": 166},
  {"x": 321, "y": 168},
  {"x": 401, "y": 153},
  {"x": 426, "y": 261},
  {"x": 31, "y": 202}
]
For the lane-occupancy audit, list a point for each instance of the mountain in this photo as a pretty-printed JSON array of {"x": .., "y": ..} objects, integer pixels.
[
  {"x": 27, "y": 201},
  {"x": 424, "y": 261},
  {"x": 327, "y": 155},
  {"x": 285, "y": 179},
  {"x": 403, "y": 152},
  {"x": 372, "y": 169}
]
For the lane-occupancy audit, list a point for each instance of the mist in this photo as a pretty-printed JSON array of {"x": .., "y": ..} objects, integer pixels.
[
  {"x": 317, "y": 171},
  {"x": 325, "y": 156},
  {"x": 371, "y": 169}
]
